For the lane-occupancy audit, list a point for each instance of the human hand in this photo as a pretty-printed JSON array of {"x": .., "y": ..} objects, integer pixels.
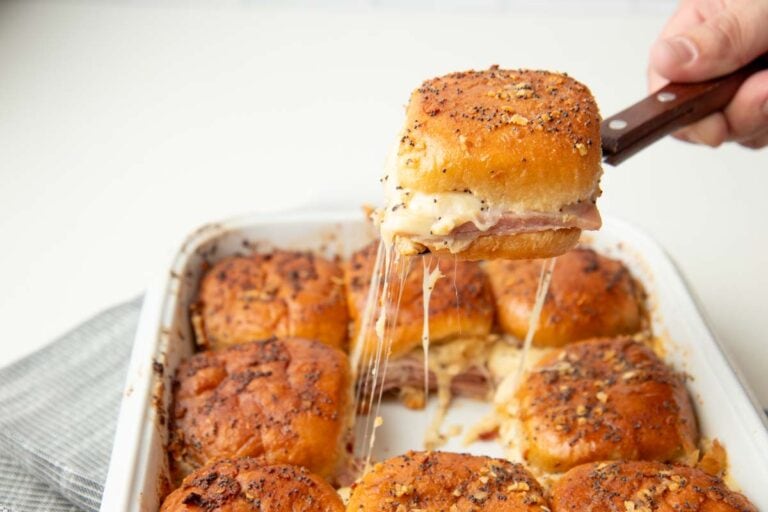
[{"x": 709, "y": 38}]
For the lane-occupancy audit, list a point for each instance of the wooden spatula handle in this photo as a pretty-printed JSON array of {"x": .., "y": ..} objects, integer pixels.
[{"x": 666, "y": 110}]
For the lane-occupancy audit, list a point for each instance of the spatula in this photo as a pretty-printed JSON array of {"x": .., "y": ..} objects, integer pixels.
[{"x": 671, "y": 107}]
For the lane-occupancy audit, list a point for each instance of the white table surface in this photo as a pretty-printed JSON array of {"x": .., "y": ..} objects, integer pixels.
[{"x": 123, "y": 126}]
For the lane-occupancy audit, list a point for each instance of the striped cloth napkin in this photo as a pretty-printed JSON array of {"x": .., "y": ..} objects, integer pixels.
[{"x": 58, "y": 409}]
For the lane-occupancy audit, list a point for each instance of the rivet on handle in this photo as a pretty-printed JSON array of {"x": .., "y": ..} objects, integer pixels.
[
  {"x": 664, "y": 97},
  {"x": 617, "y": 124}
]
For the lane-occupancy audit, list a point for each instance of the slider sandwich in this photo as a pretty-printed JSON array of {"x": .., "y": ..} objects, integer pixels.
[
  {"x": 244, "y": 484},
  {"x": 460, "y": 321},
  {"x": 604, "y": 399},
  {"x": 494, "y": 164},
  {"x": 278, "y": 293},
  {"x": 445, "y": 482},
  {"x": 279, "y": 400},
  {"x": 644, "y": 485},
  {"x": 590, "y": 296}
]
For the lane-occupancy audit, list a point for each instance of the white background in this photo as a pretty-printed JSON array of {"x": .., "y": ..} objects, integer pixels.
[{"x": 123, "y": 126}]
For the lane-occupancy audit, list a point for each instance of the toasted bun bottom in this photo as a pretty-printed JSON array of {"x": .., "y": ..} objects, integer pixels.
[{"x": 541, "y": 244}]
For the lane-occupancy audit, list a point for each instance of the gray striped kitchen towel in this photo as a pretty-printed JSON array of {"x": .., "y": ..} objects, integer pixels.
[{"x": 58, "y": 409}]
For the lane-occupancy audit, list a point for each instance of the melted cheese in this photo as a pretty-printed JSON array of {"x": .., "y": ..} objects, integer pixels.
[
  {"x": 389, "y": 275},
  {"x": 368, "y": 312},
  {"x": 417, "y": 214},
  {"x": 503, "y": 359},
  {"x": 382, "y": 355},
  {"x": 511, "y": 361},
  {"x": 428, "y": 284},
  {"x": 505, "y": 356},
  {"x": 508, "y": 386},
  {"x": 426, "y": 215},
  {"x": 449, "y": 360},
  {"x": 453, "y": 218}
]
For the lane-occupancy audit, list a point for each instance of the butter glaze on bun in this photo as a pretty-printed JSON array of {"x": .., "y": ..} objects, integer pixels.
[
  {"x": 280, "y": 293},
  {"x": 283, "y": 401},
  {"x": 590, "y": 296},
  {"x": 443, "y": 482},
  {"x": 461, "y": 303},
  {"x": 604, "y": 399},
  {"x": 495, "y": 164},
  {"x": 644, "y": 485},
  {"x": 245, "y": 484}
]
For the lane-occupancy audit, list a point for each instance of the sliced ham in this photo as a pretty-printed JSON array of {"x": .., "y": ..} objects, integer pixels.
[
  {"x": 581, "y": 215},
  {"x": 408, "y": 372}
]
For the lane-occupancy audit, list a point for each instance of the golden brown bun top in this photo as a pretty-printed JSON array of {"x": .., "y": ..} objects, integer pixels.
[
  {"x": 244, "y": 484},
  {"x": 281, "y": 293},
  {"x": 605, "y": 399},
  {"x": 440, "y": 481},
  {"x": 590, "y": 296},
  {"x": 460, "y": 304},
  {"x": 283, "y": 401},
  {"x": 523, "y": 138},
  {"x": 644, "y": 486}
]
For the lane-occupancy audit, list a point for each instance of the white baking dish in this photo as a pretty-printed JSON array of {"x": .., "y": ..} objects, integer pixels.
[{"x": 725, "y": 407}]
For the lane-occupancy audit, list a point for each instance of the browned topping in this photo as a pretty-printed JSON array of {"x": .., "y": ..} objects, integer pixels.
[
  {"x": 460, "y": 303},
  {"x": 604, "y": 399},
  {"x": 248, "y": 484},
  {"x": 590, "y": 296},
  {"x": 282, "y": 293},
  {"x": 644, "y": 487},
  {"x": 260, "y": 399},
  {"x": 432, "y": 481},
  {"x": 528, "y": 100}
]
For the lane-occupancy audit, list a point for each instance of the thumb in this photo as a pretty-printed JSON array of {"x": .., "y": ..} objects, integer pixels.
[{"x": 716, "y": 46}]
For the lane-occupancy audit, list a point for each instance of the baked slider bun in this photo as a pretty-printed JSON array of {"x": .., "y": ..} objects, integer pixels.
[
  {"x": 443, "y": 482},
  {"x": 281, "y": 293},
  {"x": 644, "y": 486},
  {"x": 494, "y": 164},
  {"x": 604, "y": 399},
  {"x": 589, "y": 296},
  {"x": 283, "y": 401},
  {"x": 460, "y": 305},
  {"x": 245, "y": 485}
]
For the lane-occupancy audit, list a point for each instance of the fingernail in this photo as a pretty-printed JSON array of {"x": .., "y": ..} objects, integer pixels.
[
  {"x": 682, "y": 135},
  {"x": 693, "y": 138},
  {"x": 680, "y": 50}
]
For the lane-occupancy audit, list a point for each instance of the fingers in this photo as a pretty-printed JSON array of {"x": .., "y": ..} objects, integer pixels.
[
  {"x": 711, "y": 131},
  {"x": 744, "y": 120},
  {"x": 695, "y": 47},
  {"x": 685, "y": 16},
  {"x": 655, "y": 80},
  {"x": 756, "y": 142},
  {"x": 708, "y": 38},
  {"x": 747, "y": 114}
]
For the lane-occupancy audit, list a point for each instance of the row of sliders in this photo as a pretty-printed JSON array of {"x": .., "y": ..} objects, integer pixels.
[
  {"x": 300, "y": 294},
  {"x": 287, "y": 401},
  {"x": 452, "y": 482}
]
